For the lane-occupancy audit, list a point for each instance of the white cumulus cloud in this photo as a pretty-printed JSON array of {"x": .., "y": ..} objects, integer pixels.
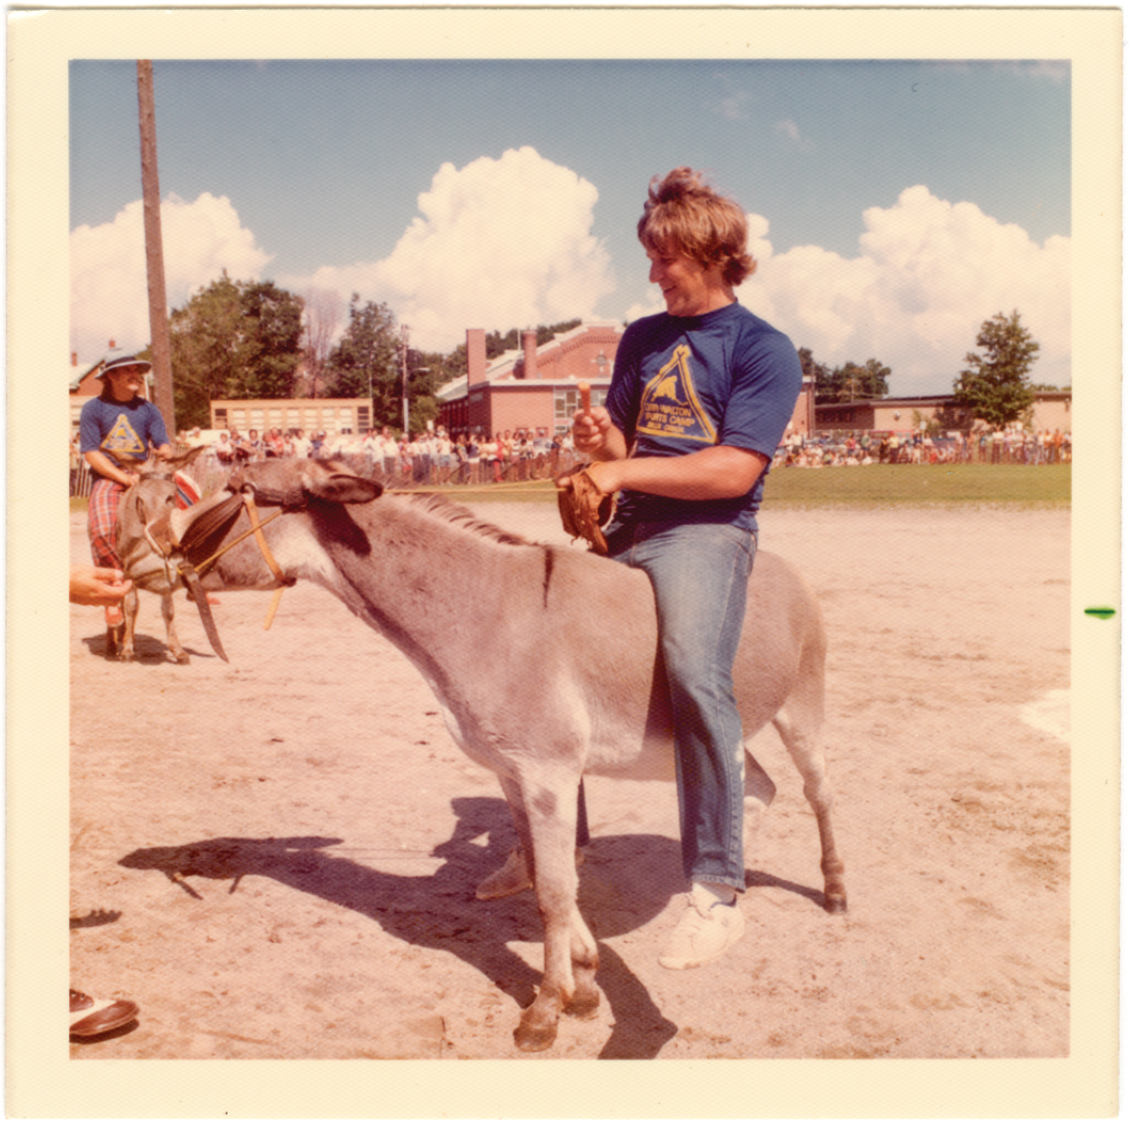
[
  {"x": 109, "y": 292},
  {"x": 929, "y": 272},
  {"x": 508, "y": 242},
  {"x": 497, "y": 243}
]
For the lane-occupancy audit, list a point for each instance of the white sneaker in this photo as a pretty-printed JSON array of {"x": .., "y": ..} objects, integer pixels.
[
  {"x": 704, "y": 933},
  {"x": 513, "y": 876}
]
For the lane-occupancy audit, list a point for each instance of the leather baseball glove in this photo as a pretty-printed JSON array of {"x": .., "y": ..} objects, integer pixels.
[{"x": 585, "y": 509}]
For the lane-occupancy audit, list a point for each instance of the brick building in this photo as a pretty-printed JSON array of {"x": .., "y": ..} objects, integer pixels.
[
  {"x": 532, "y": 388},
  {"x": 535, "y": 387},
  {"x": 1051, "y": 410}
]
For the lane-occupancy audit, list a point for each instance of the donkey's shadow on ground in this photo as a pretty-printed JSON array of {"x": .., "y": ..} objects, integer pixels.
[
  {"x": 148, "y": 649},
  {"x": 627, "y": 881}
]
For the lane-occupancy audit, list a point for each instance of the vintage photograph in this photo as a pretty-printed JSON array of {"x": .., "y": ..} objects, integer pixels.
[{"x": 578, "y": 558}]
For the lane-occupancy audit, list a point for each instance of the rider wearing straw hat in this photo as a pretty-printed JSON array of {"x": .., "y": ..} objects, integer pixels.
[{"x": 116, "y": 429}]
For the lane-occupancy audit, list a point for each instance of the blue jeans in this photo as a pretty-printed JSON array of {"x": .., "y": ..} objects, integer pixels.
[{"x": 700, "y": 576}]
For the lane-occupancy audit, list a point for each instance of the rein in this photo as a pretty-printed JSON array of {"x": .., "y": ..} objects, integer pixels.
[
  {"x": 248, "y": 501},
  {"x": 205, "y": 532}
]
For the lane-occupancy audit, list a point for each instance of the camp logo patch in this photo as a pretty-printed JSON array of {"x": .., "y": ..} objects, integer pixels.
[
  {"x": 123, "y": 440},
  {"x": 670, "y": 407}
]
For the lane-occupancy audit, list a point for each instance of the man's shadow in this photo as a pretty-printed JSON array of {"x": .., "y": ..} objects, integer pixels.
[{"x": 632, "y": 879}]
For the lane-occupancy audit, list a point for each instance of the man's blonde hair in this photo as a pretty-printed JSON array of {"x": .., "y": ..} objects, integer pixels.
[{"x": 684, "y": 215}]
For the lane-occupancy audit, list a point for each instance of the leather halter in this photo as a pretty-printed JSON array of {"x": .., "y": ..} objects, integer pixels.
[
  {"x": 247, "y": 498},
  {"x": 205, "y": 532},
  {"x": 219, "y": 520}
]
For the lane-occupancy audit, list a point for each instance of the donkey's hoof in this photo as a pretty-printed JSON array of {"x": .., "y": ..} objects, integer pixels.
[
  {"x": 181, "y": 659},
  {"x": 835, "y": 903},
  {"x": 535, "y": 1038},
  {"x": 584, "y": 1006}
]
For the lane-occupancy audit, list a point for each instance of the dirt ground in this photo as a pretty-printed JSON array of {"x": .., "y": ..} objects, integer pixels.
[{"x": 276, "y": 857}]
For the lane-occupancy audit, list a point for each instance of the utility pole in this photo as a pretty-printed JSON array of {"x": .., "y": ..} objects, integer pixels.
[
  {"x": 154, "y": 254},
  {"x": 404, "y": 332}
]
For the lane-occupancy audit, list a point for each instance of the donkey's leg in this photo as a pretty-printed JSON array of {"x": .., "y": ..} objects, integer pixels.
[
  {"x": 130, "y": 605},
  {"x": 759, "y": 793},
  {"x": 799, "y": 729},
  {"x": 585, "y": 1001},
  {"x": 168, "y": 611},
  {"x": 545, "y": 813}
]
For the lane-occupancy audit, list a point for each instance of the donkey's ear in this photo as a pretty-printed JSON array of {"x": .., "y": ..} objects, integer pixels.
[
  {"x": 340, "y": 487},
  {"x": 189, "y": 457}
]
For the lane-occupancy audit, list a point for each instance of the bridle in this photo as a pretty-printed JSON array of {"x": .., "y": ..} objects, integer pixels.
[
  {"x": 247, "y": 500},
  {"x": 197, "y": 551}
]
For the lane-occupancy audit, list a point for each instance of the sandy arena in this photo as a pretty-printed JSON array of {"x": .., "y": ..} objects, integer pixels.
[{"x": 276, "y": 857}]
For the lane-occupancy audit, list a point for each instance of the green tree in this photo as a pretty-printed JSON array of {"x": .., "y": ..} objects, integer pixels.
[
  {"x": 446, "y": 367},
  {"x": 545, "y": 333},
  {"x": 368, "y": 355},
  {"x": 497, "y": 343},
  {"x": 995, "y": 387},
  {"x": 813, "y": 369},
  {"x": 272, "y": 323},
  {"x": 233, "y": 339},
  {"x": 849, "y": 382}
]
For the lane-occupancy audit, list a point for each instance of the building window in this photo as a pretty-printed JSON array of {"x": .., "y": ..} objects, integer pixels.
[{"x": 566, "y": 401}]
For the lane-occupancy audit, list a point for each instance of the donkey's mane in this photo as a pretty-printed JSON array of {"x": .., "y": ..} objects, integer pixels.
[{"x": 459, "y": 515}]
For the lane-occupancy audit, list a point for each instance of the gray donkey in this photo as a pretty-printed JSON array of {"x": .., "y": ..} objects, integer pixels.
[
  {"x": 144, "y": 505},
  {"x": 432, "y": 579}
]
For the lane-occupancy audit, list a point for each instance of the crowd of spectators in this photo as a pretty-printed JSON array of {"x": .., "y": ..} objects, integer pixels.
[
  {"x": 435, "y": 458},
  {"x": 432, "y": 457},
  {"x": 1010, "y": 444}
]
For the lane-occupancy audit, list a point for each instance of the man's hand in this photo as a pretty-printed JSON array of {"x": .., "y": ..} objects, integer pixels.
[
  {"x": 591, "y": 431},
  {"x": 97, "y": 587},
  {"x": 585, "y": 507},
  {"x": 110, "y": 468}
]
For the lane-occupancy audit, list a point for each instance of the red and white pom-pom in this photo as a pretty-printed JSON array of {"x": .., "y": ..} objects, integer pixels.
[{"x": 187, "y": 490}]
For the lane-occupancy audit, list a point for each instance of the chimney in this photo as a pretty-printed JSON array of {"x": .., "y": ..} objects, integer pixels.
[
  {"x": 529, "y": 347},
  {"x": 113, "y": 345},
  {"x": 475, "y": 355},
  {"x": 74, "y": 358}
]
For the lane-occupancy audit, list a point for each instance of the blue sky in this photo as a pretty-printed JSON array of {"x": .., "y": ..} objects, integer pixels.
[{"x": 894, "y": 205}]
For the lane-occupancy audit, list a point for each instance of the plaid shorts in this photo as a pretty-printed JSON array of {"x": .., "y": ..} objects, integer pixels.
[{"x": 102, "y": 527}]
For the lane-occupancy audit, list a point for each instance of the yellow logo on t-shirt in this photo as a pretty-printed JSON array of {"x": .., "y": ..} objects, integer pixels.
[
  {"x": 670, "y": 407},
  {"x": 123, "y": 440}
]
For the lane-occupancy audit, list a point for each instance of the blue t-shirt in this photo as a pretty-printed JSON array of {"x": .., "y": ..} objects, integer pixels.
[
  {"x": 125, "y": 428},
  {"x": 683, "y": 383}
]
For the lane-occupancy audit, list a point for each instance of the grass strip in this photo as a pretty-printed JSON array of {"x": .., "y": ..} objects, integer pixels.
[
  {"x": 885, "y": 485},
  {"x": 873, "y": 486}
]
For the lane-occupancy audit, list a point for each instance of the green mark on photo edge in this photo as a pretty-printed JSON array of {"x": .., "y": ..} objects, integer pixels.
[{"x": 1101, "y": 613}]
